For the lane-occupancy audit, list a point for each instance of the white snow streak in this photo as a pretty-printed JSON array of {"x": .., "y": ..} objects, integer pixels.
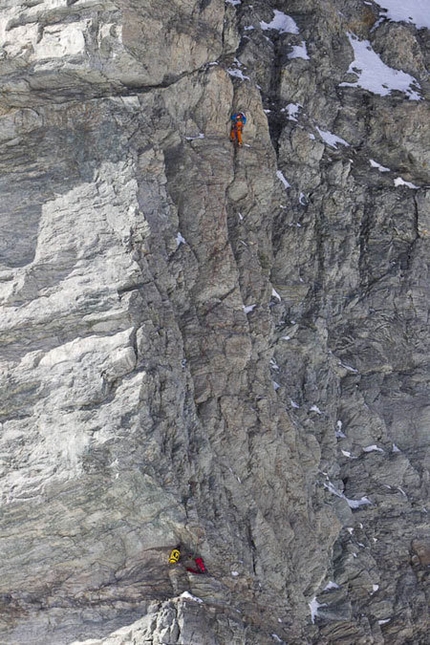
[
  {"x": 372, "y": 448},
  {"x": 281, "y": 177},
  {"x": 352, "y": 503},
  {"x": 377, "y": 165}
]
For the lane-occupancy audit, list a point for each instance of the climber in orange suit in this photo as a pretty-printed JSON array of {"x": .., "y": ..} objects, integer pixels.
[{"x": 238, "y": 120}]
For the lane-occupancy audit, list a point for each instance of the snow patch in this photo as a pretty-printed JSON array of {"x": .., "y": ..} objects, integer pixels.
[
  {"x": 372, "y": 448},
  {"x": 187, "y": 596},
  {"x": 293, "y": 110},
  {"x": 376, "y": 77},
  {"x": 377, "y": 165},
  {"x": 315, "y": 408},
  {"x": 281, "y": 177},
  {"x": 331, "y": 139},
  {"x": 247, "y": 309},
  {"x": 233, "y": 2},
  {"x": 200, "y": 135},
  {"x": 314, "y": 605},
  {"x": 352, "y": 503},
  {"x": 280, "y": 22},
  {"x": 412, "y": 11},
  {"x": 237, "y": 73},
  {"x": 401, "y": 182},
  {"x": 299, "y": 51},
  {"x": 180, "y": 239},
  {"x": 331, "y": 585},
  {"x": 275, "y": 294},
  {"x": 339, "y": 433}
]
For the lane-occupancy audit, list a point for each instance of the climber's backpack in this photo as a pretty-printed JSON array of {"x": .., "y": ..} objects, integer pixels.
[
  {"x": 174, "y": 556},
  {"x": 238, "y": 115}
]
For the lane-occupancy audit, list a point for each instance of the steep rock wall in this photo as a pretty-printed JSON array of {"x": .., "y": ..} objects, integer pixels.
[{"x": 226, "y": 348}]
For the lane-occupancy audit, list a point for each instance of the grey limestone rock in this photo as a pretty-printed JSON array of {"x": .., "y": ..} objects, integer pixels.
[{"x": 218, "y": 347}]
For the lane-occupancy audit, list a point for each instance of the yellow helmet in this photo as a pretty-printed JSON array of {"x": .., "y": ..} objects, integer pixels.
[{"x": 174, "y": 556}]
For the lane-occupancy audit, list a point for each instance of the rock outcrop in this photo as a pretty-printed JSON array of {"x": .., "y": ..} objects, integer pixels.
[{"x": 224, "y": 348}]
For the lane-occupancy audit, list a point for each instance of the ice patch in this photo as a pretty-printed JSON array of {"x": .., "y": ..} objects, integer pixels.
[
  {"x": 373, "y": 75},
  {"x": 331, "y": 139},
  {"x": 299, "y": 51},
  {"x": 233, "y": 2},
  {"x": 280, "y": 22}
]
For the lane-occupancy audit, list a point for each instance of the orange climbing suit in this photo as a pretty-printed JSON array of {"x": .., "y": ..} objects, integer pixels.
[{"x": 236, "y": 131}]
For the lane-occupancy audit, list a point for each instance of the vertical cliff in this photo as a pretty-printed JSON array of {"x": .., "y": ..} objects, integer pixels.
[{"x": 226, "y": 348}]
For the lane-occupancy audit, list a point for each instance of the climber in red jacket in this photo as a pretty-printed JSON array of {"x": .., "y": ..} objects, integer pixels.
[{"x": 200, "y": 566}]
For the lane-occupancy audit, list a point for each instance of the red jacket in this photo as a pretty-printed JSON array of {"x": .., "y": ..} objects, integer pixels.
[{"x": 200, "y": 566}]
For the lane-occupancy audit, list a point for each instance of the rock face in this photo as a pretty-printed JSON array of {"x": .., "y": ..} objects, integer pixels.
[{"x": 223, "y": 348}]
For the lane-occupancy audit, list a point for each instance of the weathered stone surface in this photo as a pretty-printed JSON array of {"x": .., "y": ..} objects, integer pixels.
[{"x": 223, "y": 348}]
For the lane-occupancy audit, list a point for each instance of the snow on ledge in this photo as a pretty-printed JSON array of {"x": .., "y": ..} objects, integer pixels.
[
  {"x": 280, "y": 22},
  {"x": 416, "y": 12},
  {"x": 186, "y": 595},
  {"x": 331, "y": 139},
  {"x": 375, "y": 76}
]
